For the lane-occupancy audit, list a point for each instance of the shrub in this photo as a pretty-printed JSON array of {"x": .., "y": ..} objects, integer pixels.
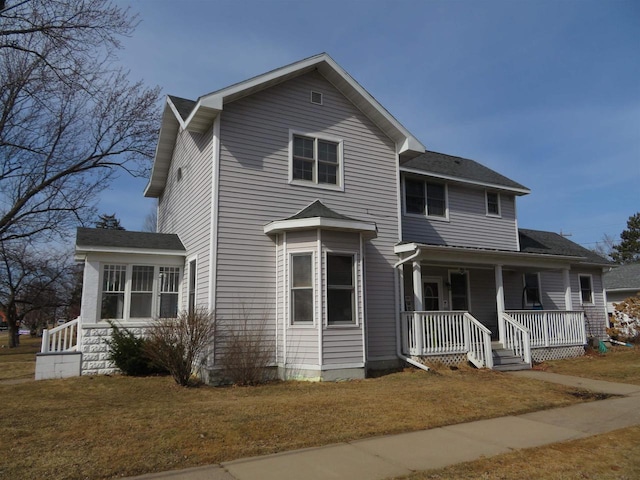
[
  {"x": 127, "y": 352},
  {"x": 248, "y": 351},
  {"x": 178, "y": 344}
]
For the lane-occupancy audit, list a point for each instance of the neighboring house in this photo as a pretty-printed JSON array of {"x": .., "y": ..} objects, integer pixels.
[
  {"x": 295, "y": 200},
  {"x": 621, "y": 283}
]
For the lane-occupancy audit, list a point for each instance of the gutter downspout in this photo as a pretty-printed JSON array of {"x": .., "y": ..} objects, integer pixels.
[{"x": 398, "y": 330}]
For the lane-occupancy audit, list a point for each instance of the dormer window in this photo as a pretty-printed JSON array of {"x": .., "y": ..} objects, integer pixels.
[{"x": 316, "y": 161}]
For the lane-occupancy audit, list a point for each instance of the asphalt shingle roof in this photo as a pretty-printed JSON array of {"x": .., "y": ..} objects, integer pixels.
[
  {"x": 623, "y": 277},
  {"x": 183, "y": 105},
  {"x": 463, "y": 168},
  {"x": 319, "y": 209},
  {"x": 550, "y": 243},
  {"x": 102, "y": 237}
]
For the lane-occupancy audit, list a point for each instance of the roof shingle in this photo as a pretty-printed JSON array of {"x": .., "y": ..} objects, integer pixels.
[{"x": 102, "y": 237}]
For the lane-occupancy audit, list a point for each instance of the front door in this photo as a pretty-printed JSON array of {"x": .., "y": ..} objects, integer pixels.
[{"x": 432, "y": 289}]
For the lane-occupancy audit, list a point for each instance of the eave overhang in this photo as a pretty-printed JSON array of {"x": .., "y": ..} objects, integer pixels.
[
  {"x": 280, "y": 226},
  {"x": 209, "y": 106},
  {"x": 478, "y": 256},
  {"x": 82, "y": 251},
  {"x": 467, "y": 181}
]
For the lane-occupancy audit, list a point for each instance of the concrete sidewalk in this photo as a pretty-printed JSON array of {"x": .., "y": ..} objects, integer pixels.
[{"x": 383, "y": 457}]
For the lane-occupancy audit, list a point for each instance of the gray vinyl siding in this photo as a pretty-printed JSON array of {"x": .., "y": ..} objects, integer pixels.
[
  {"x": 184, "y": 208},
  {"x": 595, "y": 314},
  {"x": 552, "y": 290},
  {"x": 468, "y": 224},
  {"x": 254, "y": 190}
]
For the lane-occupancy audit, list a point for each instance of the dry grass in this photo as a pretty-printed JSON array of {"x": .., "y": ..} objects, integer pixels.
[
  {"x": 619, "y": 364},
  {"x": 614, "y": 455},
  {"x": 18, "y": 363},
  {"x": 101, "y": 427}
]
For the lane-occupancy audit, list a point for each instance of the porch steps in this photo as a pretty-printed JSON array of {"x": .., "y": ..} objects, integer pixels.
[{"x": 505, "y": 361}]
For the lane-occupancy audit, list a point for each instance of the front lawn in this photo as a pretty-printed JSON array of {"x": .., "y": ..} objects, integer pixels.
[
  {"x": 101, "y": 427},
  {"x": 619, "y": 364},
  {"x": 18, "y": 363}
]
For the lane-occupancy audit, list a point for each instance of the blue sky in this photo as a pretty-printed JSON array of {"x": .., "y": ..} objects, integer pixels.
[{"x": 546, "y": 93}]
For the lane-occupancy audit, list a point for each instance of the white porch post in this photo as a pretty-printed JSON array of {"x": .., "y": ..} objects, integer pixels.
[
  {"x": 566, "y": 279},
  {"x": 418, "y": 294},
  {"x": 500, "y": 301}
]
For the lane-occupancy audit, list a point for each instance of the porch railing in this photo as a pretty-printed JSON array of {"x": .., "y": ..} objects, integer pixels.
[
  {"x": 517, "y": 338},
  {"x": 552, "y": 328},
  {"x": 434, "y": 333},
  {"x": 63, "y": 338}
]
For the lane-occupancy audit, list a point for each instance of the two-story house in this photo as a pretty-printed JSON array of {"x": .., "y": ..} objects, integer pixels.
[{"x": 294, "y": 201}]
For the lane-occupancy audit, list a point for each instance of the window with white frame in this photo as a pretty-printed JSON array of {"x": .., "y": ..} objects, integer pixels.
[
  {"x": 316, "y": 160},
  {"x": 301, "y": 288},
  {"x": 169, "y": 281},
  {"x": 493, "y": 204},
  {"x": 340, "y": 289},
  {"x": 139, "y": 291},
  {"x": 113, "y": 289},
  {"x": 586, "y": 289},
  {"x": 531, "y": 293},
  {"x": 425, "y": 198}
]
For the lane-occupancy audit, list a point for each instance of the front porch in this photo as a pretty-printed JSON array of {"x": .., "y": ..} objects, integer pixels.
[
  {"x": 454, "y": 337},
  {"x": 485, "y": 306}
]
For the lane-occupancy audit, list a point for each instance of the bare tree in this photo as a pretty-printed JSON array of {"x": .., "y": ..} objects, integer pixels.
[
  {"x": 69, "y": 118},
  {"x": 32, "y": 282},
  {"x": 151, "y": 221},
  {"x": 604, "y": 247}
]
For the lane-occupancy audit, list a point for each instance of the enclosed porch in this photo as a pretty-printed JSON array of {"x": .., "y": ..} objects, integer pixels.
[{"x": 495, "y": 309}]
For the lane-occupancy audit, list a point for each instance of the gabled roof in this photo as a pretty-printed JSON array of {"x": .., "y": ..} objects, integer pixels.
[
  {"x": 625, "y": 277},
  {"x": 550, "y": 243},
  {"x": 460, "y": 169},
  {"x": 106, "y": 240},
  {"x": 198, "y": 116},
  {"x": 318, "y": 215}
]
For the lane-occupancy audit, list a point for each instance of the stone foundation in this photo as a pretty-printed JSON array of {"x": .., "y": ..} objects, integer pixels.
[{"x": 95, "y": 351}]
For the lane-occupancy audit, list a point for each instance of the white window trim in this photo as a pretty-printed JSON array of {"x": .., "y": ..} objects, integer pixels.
[
  {"x": 439, "y": 218},
  {"x": 339, "y": 186},
  {"x": 187, "y": 269},
  {"x": 486, "y": 204},
  {"x": 590, "y": 277},
  {"x": 155, "y": 298},
  {"x": 290, "y": 323},
  {"x": 356, "y": 289},
  {"x": 524, "y": 285}
]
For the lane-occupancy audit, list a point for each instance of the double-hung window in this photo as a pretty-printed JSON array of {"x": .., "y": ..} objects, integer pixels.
[
  {"x": 586, "y": 289},
  {"x": 425, "y": 198},
  {"x": 340, "y": 289},
  {"x": 301, "y": 288},
  {"x": 316, "y": 160},
  {"x": 493, "y": 204},
  {"x": 169, "y": 281},
  {"x": 113, "y": 288},
  {"x": 141, "y": 291}
]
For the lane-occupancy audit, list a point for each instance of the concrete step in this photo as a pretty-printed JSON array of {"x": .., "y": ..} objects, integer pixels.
[{"x": 504, "y": 360}]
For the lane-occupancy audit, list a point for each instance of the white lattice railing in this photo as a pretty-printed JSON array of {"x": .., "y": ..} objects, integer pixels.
[
  {"x": 442, "y": 333},
  {"x": 64, "y": 338},
  {"x": 552, "y": 328},
  {"x": 517, "y": 338}
]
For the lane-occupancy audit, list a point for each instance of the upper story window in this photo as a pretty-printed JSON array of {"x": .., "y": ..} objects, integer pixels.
[
  {"x": 425, "y": 198},
  {"x": 586, "y": 289},
  {"x": 316, "y": 161},
  {"x": 493, "y": 204}
]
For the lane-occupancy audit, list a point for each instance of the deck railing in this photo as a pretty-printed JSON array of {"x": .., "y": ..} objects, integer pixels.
[
  {"x": 441, "y": 333},
  {"x": 63, "y": 338},
  {"x": 517, "y": 338},
  {"x": 552, "y": 328}
]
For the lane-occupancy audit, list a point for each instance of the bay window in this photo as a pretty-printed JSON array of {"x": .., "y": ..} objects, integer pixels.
[
  {"x": 301, "y": 288},
  {"x": 340, "y": 289}
]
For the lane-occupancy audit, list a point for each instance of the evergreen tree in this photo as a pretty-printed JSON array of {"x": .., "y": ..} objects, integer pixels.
[
  {"x": 628, "y": 250},
  {"x": 110, "y": 222}
]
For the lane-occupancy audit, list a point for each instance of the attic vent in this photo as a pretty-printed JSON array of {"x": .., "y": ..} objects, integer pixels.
[{"x": 316, "y": 97}]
